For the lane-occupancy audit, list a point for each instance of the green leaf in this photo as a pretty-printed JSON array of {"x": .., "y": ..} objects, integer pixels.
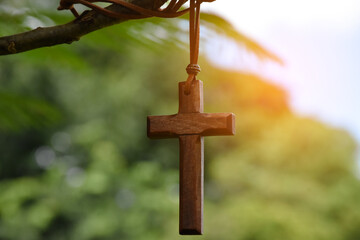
[{"x": 19, "y": 112}]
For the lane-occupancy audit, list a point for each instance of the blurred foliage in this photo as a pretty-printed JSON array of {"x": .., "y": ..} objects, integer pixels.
[{"x": 76, "y": 162}]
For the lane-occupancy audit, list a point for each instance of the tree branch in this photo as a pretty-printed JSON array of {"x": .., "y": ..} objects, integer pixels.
[{"x": 88, "y": 22}]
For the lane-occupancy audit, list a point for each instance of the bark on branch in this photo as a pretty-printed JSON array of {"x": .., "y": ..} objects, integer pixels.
[{"x": 88, "y": 22}]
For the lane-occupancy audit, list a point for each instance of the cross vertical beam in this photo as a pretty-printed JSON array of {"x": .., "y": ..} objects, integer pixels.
[
  {"x": 191, "y": 184},
  {"x": 190, "y": 125},
  {"x": 191, "y": 165}
]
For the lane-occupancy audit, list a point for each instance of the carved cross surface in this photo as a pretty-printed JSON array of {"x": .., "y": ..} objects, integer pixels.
[{"x": 190, "y": 125}]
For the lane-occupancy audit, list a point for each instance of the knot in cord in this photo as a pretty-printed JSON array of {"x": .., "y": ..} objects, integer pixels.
[
  {"x": 193, "y": 69},
  {"x": 171, "y": 11}
]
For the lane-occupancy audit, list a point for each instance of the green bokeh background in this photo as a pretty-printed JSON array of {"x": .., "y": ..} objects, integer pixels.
[{"x": 75, "y": 162}]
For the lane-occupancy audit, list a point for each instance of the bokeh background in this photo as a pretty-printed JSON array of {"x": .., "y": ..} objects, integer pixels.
[
  {"x": 318, "y": 42},
  {"x": 75, "y": 162}
]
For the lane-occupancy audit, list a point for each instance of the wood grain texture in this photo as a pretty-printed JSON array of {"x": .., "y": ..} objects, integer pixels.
[
  {"x": 204, "y": 124},
  {"x": 190, "y": 125},
  {"x": 193, "y": 102},
  {"x": 191, "y": 184}
]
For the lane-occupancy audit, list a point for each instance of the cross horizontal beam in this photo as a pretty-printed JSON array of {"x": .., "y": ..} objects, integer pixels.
[{"x": 204, "y": 124}]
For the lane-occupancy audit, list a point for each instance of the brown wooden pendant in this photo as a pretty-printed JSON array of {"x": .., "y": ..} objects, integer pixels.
[{"x": 190, "y": 125}]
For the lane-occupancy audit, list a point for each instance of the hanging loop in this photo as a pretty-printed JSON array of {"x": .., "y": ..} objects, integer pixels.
[
  {"x": 194, "y": 29},
  {"x": 171, "y": 11},
  {"x": 194, "y": 32}
]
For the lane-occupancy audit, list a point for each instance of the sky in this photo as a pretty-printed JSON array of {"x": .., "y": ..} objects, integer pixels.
[{"x": 319, "y": 41}]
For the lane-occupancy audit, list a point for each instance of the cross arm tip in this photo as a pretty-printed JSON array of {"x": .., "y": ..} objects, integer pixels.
[{"x": 158, "y": 127}]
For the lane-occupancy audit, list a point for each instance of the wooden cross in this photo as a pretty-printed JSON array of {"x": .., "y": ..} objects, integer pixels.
[{"x": 190, "y": 125}]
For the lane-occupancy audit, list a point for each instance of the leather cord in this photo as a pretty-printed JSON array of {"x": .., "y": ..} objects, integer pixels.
[
  {"x": 171, "y": 11},
  {"x": 193, "y": 68}
]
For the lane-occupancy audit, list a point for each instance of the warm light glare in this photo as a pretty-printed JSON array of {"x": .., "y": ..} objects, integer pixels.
[{"x": 318, "y": 41}]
